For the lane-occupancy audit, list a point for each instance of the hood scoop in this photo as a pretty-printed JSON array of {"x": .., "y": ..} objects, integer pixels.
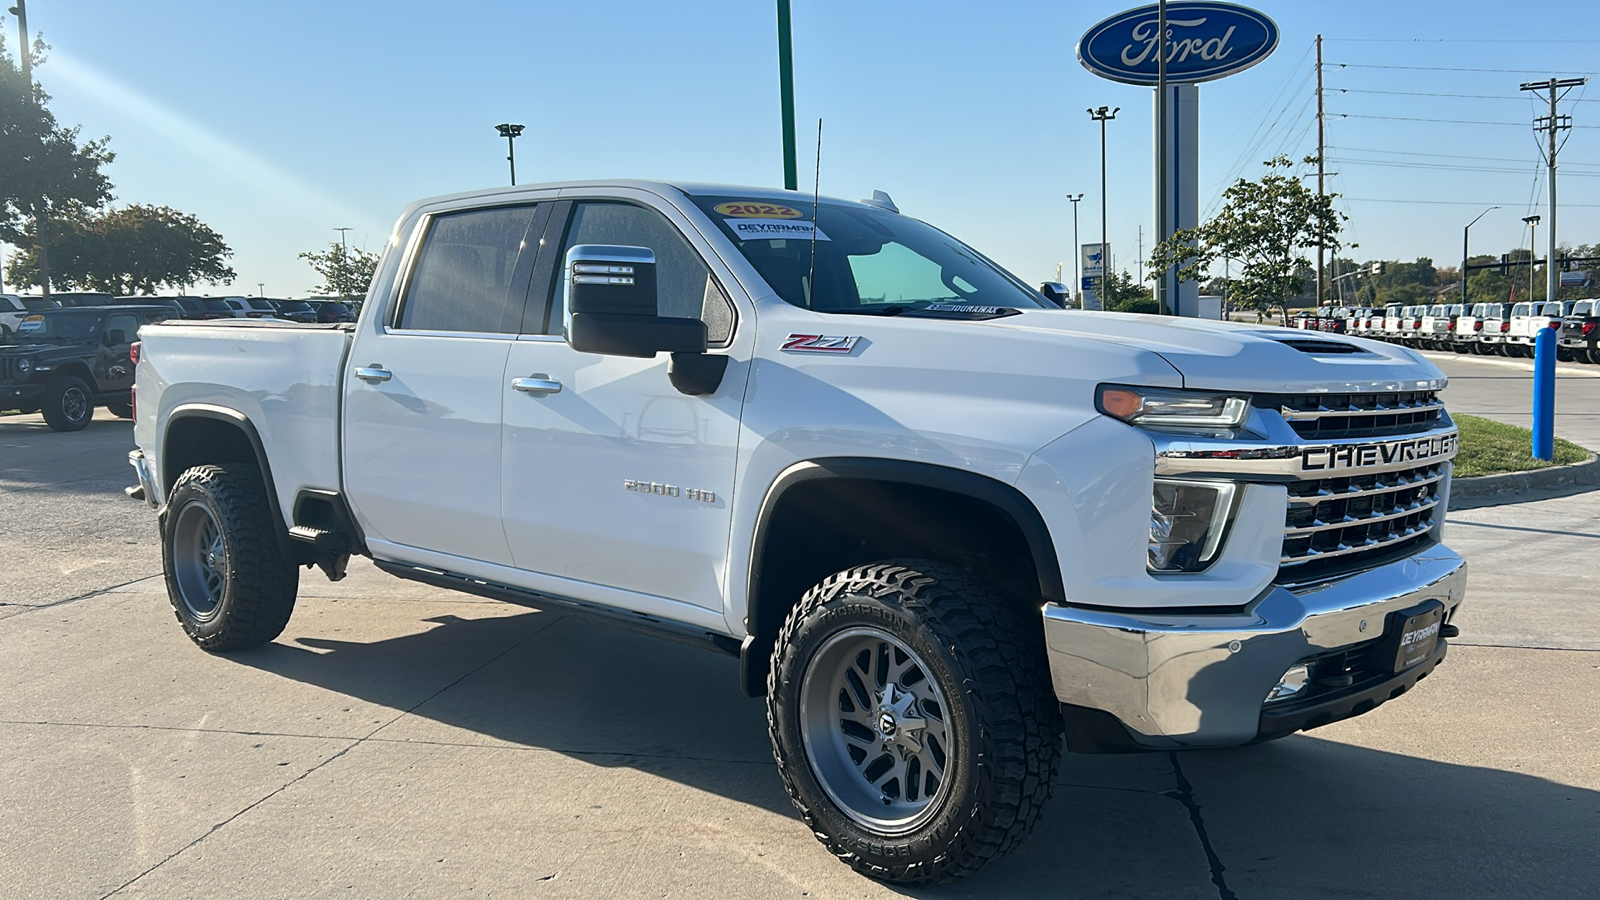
[{"x": 1318, "y": 347}]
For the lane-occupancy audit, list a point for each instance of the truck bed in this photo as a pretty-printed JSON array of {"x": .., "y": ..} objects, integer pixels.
[{"x": 284, "y": 376}]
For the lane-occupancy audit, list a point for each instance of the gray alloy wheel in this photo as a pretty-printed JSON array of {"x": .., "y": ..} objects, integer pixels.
[
  {"x": 199, "y": 560},
  {"x": 875, "y": 730}
]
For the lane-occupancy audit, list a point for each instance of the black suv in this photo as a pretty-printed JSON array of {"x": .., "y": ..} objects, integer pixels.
[{"x": 65, "y": 362}]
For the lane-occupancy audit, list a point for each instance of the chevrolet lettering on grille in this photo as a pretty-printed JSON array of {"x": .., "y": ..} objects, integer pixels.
[{"x": 1382, "y": 453}]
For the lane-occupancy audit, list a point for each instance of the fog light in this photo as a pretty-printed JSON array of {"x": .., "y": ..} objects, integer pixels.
[
  {"x": 1293, "y": 682},
  {"x": 1187, "y": 521}
]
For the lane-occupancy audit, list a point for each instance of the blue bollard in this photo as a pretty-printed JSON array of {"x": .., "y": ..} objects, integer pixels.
[{"x": 1544, "y": 394}]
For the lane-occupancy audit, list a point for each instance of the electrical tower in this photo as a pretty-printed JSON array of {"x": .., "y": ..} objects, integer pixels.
[{"x": 1551, "y": 124}]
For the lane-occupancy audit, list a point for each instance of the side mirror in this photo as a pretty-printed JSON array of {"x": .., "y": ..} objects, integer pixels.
[
  {"x": 1055, "y": 292},
  {"x": 610, "y": 307},
  {"x": 116, "y": 336}
]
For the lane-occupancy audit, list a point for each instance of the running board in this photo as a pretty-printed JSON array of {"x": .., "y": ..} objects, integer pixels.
[{"x": 654, "y": 626}]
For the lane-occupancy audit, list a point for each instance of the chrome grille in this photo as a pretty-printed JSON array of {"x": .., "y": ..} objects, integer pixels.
[
  {"x": 1318, "y": 417},
  {"x": 1348, "y": 520}
]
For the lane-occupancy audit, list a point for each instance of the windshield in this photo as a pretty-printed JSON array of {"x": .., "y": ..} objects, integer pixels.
[
  {"x": 866, "y": 260},
  {"x": 293, "y": 306},
  {"x": 61, "y": 326},
  {"x": 1552, "y": 309}
]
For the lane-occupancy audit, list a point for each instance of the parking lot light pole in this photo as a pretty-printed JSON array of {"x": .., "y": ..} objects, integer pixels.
[
  {"x": 1533, "y": 226},
  {"x": 510, "y": 133},
  {"x": 1464, "y": 250},
  {"x": 1103, "y": 115},
  {"x": 1077, "y": 252}
]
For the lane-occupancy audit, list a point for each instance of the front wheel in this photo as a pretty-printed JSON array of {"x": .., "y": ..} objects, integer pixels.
[
  {"x": 228, "y": 579},
  {"x": 122, "y": 409},
  {"x": 68, "y": 405},
  {"x": 913, "y": 721}
]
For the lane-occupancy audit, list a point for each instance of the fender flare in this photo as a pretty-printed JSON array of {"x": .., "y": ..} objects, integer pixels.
[
  {"x": 1004, "y": 497},
  {"x": 248, "y": 428}
]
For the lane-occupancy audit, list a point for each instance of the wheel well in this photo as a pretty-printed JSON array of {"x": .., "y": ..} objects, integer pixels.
[
  {"x": 78, "y": 370},
  {"x": 822, "y": 525},
  {"x": 203, "y": 441}
]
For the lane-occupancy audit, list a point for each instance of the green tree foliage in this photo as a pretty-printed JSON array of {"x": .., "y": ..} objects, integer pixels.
[
  {"x": 46, "y": 175},
  {"x": 1265, "y": 228},
  {"x": 1122, "y": 293},
  {"x": 136, "y": 249},
  {"x": 345, "y": 271}
]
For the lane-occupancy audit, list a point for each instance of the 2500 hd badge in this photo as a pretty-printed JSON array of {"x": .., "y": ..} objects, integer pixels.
[{"x": 1383, "y": 453}]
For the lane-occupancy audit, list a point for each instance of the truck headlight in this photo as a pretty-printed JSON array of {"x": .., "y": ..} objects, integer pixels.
[
  {"x": 24, "y": 365},
  {"x": 1166, "y": 407},
  {"x": 1187, "y": 523}
]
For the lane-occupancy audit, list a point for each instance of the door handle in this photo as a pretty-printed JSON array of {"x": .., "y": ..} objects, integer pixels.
[
  {"x": 539, "y": 383},
  {"x": 373, "y": 374}
]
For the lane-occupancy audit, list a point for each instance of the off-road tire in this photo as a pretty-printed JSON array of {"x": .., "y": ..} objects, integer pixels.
[
  {"x": 122, "y": 409},
  {"x": 68, "y": 404},
  {"x": 258, "y": 583},
  {"x": 1005, "y": 723},
  {"x": 1591, "y": 354}
]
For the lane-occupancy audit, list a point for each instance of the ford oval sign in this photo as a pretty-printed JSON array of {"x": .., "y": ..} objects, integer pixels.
[{"x": 1205, "y": 41}]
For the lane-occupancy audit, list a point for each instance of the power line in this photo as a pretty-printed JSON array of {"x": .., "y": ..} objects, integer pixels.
[
  {"x": 1427, "y": 94},
  {"x": 1446, "y": 69},
  {"x": 1444, "y": 155},
  {"x": 1453, "y": 202},
  {"x": 1446, "y": 121},
  {"x": 1396, "y": 164},
  {"x": 1463, "y": 40}
]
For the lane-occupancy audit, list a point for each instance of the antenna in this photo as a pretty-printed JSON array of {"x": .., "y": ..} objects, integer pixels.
[{"x": 816, "y": 204}]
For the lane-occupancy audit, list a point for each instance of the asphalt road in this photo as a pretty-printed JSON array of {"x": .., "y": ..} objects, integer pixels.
[{"x": 399, "y": 741}]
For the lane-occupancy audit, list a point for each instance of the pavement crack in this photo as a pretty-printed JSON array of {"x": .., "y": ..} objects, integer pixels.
[
  {"x": 30, "y": 607},
  {"x": 1185, "y": 795}
]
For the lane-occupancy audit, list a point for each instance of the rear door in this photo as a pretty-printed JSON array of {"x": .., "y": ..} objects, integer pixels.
[
  {"x": 423, "y": 388},
  {"x": 617, "y": 480}
]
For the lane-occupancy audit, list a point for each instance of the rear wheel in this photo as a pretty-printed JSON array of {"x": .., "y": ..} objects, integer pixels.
[
  {"x": 230, "y": 584},
  {"x": 913, "y": 721},
  {"x": 121, "y": 409},
  {"x": 1591, "y": 354},
  {"x": 68, "y": 405}
]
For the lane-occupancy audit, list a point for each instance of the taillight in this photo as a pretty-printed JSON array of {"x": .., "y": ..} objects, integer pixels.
[
  {"x": 1451, "y": 326},
  {"x": 133, "y": 401},
  {"x": 1477, "y": 326},
  {"x": 133, "y": 353},
  {"x": 1505, "y": 326},
  {"x": 1588, "y": 327},
  {"x": 1554, "y": 323}
]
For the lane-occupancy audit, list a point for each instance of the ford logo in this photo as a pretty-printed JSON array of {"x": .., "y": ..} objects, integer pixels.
[{"x": 1205, "y": 41}]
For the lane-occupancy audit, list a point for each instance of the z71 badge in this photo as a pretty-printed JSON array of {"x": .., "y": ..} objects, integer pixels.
[{"x": 820, "y": 343}]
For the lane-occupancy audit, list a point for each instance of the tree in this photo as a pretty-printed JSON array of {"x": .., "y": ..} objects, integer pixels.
[
  {"x": 1265, "y": 227},
  {"x": 45, "y": 174},
  {"x": 136, "y": 249},
  {"x": 1121, "y": 293},
  {"x": 345, "y": 271}
]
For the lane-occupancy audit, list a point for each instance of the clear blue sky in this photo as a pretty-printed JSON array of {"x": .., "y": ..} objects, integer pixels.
[{"x": 277, "y": 122}]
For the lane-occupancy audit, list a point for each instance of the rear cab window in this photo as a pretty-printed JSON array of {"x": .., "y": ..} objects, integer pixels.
[{"x": 470, "y": 274}]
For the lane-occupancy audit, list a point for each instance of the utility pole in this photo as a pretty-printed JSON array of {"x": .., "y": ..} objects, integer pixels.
[
  {"x": 1321, "y": 152},
  {"x": 1077, "y": 253},
  {"x": 791, "y": 172},
  {"x": 1141, "y": 256},
  {"x": 26, "y": 57},
  {"x": 1103, "y": 115},
  {"x": 1550, "y": 125},
  {"x": 342, "y": 244},
  {"x": 1162, "y": 229}
]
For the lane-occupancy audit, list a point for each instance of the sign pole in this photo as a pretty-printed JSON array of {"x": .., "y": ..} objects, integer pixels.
[{"x": 1162, "y": 185}]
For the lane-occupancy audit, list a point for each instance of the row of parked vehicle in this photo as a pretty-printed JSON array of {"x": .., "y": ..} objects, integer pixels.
[
  {"x": 1504, "y": 329},
  {"x": 15, "y": 309}
]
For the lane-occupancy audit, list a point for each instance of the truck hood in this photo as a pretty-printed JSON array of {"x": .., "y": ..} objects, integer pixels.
[
  {"x": 38, "y": 347},
  {"x": 1229, "y": 356}
]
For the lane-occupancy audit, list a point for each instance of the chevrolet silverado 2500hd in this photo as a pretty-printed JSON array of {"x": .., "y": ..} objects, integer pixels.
[{"x": 941, "y": 522}]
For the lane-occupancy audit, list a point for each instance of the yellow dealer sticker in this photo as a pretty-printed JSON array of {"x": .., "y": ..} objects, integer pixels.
[{"x": 752, "y": 209}]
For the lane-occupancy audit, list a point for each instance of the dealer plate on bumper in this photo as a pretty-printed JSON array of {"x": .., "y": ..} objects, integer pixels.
[{"x": 1414, "y": 633}]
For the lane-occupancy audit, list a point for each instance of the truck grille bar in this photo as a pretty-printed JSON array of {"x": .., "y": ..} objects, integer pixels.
[
  {"x": 1352, "y": 517},
  {"x": 1328, "y": 416}
]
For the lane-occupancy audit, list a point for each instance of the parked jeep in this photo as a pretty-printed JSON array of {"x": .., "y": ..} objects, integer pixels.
[{"x": 65, "y": 362}]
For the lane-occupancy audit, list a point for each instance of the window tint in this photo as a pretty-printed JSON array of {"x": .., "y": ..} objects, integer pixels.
[
  {"x": 684, "y": 286},
  {"x": 128, "y": 325},
  {"x": 463, "y": 280}
]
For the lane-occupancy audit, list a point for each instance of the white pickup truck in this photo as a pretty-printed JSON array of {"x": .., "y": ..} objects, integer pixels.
[{"x": 941, "y": 522}]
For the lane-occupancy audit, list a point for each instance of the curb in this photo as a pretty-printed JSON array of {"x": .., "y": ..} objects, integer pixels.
[{"x": 1508, "y": 487}]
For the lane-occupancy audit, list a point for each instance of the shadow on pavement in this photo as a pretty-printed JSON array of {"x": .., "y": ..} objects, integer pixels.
[
  {"x": 1301, "y": 817},
  {"x": 91, "y": 461}
]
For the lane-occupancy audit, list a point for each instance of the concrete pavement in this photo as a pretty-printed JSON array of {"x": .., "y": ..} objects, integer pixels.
[{"x": 401, "y": 741}]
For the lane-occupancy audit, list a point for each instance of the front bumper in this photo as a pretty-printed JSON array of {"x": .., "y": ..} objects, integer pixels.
[
  {"x": 1185, "y": 679},
  {"x": 27, "y": 394}
]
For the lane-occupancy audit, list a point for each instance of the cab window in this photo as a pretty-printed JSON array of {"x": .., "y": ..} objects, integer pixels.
[
  {"x": 465, "y": 276},
  {"x": 685, "y": 287}
]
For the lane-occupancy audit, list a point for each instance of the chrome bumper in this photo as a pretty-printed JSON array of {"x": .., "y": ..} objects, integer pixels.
[
  {"x": 146, "y": 490},
  {"x": 1194, "y": 679}
]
